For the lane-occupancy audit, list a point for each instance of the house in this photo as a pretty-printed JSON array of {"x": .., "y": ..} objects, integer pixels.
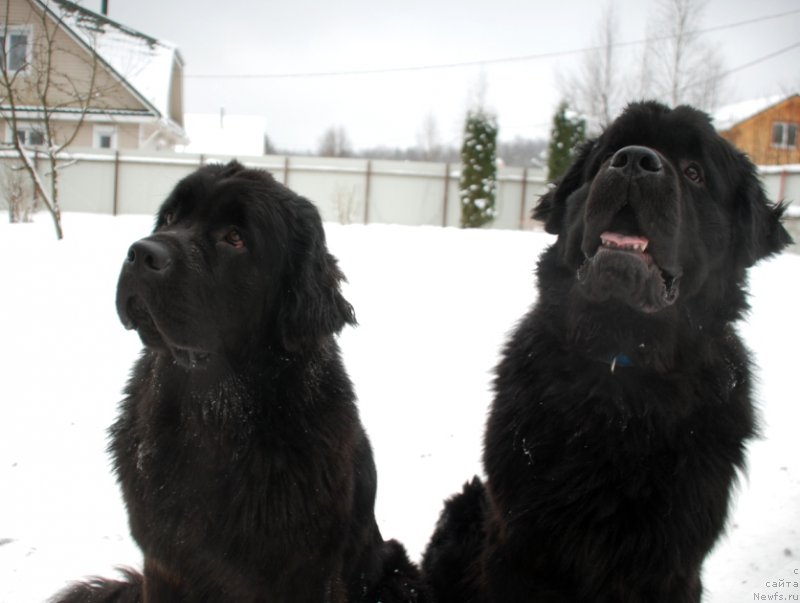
[
  {"x": 109, "y": 86},
  {"x": 765, "y": 129}
]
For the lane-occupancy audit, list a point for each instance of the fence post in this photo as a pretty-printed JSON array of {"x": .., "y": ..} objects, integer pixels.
[
  {"x": 115, "y": 209},
  {"x": 366, "y": 191},
  {"x": 522, "y": 202},
  {"x": 446, "y": 193},
  {"x": 35, "y": 167},
  {"x": 286, "y": 171},
  {"x": 782, "y": 187}
]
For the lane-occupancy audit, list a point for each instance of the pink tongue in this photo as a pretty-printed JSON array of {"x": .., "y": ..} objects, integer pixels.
[{"x": 621, "y": 240}]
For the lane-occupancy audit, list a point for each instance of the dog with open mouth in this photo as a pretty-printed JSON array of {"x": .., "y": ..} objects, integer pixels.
[{"x": 622, "y": 403}]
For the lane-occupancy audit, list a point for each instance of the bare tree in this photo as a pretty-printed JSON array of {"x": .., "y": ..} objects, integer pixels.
[
  {"x": 335, "y": 143},
  {"x": 45, "y": 76},
  {"x": 596, "y": 91},
  {"x": 15, "y": 186},
  {"x": 478, "y": 92},
  {"x": 674, "y": 66},
  {"x": 642, "y": 85},
  {"x": 344, "y": 198},
  {"x": 428, "y": 139},
  {"x": 681, "y": 68}
]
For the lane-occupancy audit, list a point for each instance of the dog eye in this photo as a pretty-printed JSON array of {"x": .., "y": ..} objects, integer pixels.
[
  {"x": 694, "y": 173},
  {"x": 234, "y": 238},
  {"x": 168, "y": 218}
]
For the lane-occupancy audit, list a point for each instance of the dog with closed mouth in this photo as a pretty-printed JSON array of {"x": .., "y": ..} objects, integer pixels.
[{"x": 245, "y": 469}]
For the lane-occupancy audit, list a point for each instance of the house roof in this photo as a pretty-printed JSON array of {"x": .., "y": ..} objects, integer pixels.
[
  {"x": 142, "y": 62},
  {"x": 732, "y": 115}
]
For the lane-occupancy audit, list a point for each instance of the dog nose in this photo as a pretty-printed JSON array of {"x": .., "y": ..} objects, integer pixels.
[
  {"x": 149, "y": 255},
  {"x": 636, "y": 161}
]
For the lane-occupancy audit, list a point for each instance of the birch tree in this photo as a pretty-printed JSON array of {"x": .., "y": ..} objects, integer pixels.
[
  {"x": 682, "y": 68},
  {"x": 673, "y": 65},
  {"x": 597, "y": 89}
]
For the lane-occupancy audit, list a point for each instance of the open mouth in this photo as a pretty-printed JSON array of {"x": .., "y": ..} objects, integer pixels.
[
  {"x": 614, "y": 240},
  {"x": 621, "y": 242},
  {"x": 619, "y": 254}
]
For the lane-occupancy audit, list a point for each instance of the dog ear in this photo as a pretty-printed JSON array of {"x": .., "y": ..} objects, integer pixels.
[
  {"x": 552, "y": 206},
  {"x": 312, "y": 304},
  {"x": 759, "y": 232}
]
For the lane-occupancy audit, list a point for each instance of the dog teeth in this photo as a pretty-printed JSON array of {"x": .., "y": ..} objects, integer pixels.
[
  {"x": 626, "y": 243},
  {"x": 635, "y": 247}
]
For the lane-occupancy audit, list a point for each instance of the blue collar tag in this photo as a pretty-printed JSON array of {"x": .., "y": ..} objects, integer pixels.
[{"x": 620, "y": 360}]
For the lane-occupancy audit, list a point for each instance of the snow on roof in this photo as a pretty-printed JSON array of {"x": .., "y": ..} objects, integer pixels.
[
  {"x": 144, "y": 62},
  {"x": 220, "y": 134},
  {"x": 728, "y": 116}
]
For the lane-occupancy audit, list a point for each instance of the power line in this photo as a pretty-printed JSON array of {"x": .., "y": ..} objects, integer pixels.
[
  {"x": 760, "y": 60},
  {"x": 476, "y": 63},
  {"x": 721, "y": 75}
]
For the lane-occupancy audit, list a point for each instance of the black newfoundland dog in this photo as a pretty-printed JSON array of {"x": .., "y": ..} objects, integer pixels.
[
  {"x": 246, "y": 472},
  {"x": 622, "y": 405}
]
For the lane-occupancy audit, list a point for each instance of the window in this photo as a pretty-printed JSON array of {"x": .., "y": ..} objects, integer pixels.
[
  {"x": 30, "y": 135},
  {"x": 105, "y": 137},
  {"x": 784, "y": 135},
  {"x": 33, "y": 138},
  {"x": 15, "y": 46}
]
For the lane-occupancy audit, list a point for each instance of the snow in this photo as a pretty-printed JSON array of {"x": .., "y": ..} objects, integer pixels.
[
  {"x": 433, "y": 306},
  {"x": 728, "y": 116},
  {"x": 146, "y": 63},
  {"x": 221, "y": 134},
  {"x": 788, "y": 168}
]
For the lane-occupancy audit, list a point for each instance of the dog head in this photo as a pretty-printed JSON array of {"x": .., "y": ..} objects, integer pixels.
[
  {"x": 237, "y": 263},
  {"x": 660, "y": 210}
]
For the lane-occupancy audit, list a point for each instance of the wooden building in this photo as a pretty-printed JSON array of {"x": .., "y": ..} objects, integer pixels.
[{"x": 769, "y": 136}]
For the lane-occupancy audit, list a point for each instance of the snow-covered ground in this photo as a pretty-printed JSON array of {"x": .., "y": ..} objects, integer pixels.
[{"x": 433, "y": 306}]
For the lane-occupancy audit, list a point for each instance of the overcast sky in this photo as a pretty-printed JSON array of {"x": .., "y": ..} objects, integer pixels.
[{"x": 242, "y": 37}]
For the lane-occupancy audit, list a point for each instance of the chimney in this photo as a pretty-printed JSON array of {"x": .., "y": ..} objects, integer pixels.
[{"x": 104, "y": 8}]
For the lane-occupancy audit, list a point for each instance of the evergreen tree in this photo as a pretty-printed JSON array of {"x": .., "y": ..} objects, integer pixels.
[
  {"x": 478, "y": 184},
  {"x": 567, "y": 134}
]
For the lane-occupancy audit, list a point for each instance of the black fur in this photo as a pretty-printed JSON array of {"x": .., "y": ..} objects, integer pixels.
[
  {"x": 622, "y": 401},
  {"x": 246, "y": 472}
]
